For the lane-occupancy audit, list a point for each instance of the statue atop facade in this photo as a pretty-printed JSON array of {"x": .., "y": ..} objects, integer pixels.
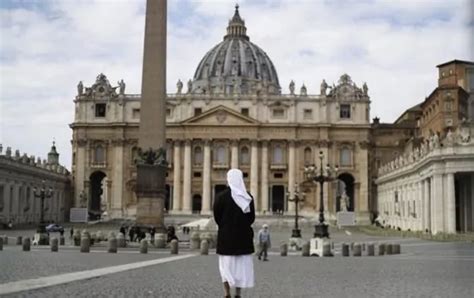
[
  {"x": 179, "y": 86},
  {"x": 324, "y": 87},
  {"x": 365, "y": 88},
  {"x": 463, "y": 132},
  {"x": 121, "y": 87},
  {"x": 190, "y": 86},
  {"x": 80, "y": 88},
  {"x": 434, "y": 141},
  {"x": 344, "y": 201},
  {"x": 303, "y": 91},
  {"x": 449, "y": 140},
  {"x": 292, "y": 87}
]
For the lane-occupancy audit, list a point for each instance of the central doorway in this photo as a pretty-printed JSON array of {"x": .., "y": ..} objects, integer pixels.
[
  {"x": 98, "y": 200},
  {"x": 278, "y": 198}
]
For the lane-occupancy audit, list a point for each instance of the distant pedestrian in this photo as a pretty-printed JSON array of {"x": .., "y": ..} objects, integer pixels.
[
  {"x": 122, "y": 230},
  {"x": 152, "y": 233},
  {"x": 171, "y": 234},
  {"x": 71, "y": 233},
  {"x": 264, "y": 242},
  {"x": 234, "y": 213}
]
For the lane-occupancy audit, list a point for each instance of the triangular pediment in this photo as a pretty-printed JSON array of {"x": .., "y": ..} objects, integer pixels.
[{"x": 221, "y": 115}]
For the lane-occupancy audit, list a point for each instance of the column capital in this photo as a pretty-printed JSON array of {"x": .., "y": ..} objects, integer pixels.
[
  {"x": 234, "y": 142},
  {"x": 188, "y": 142}
]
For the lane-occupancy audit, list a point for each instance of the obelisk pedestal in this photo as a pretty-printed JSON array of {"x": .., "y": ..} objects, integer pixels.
[{"x": 151, "y": 163}]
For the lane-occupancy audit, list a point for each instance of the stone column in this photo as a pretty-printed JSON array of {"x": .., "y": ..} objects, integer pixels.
[
  {"x": 206, "y": 184},
  {"x": 426, "y": 205},
  {"x": 177, "y": 176},
  {"x": 292, "y": 174},
  {"x": 117, "y": 202},
  {"x": 234, "y": 164},
  {"x": 254, "y": 176},
  {"x": 450, "y": 208},
  {"x": 264, "y": 181},
  {"x": 437, "y": 222},
  {"x": 187, "y": 207}
]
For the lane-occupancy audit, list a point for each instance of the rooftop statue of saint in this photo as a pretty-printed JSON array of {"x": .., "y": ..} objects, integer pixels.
[{"x": 324, "y": 87}]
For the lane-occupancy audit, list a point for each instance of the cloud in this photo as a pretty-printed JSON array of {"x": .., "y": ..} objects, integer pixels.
[{"x": 47, "y": 47}]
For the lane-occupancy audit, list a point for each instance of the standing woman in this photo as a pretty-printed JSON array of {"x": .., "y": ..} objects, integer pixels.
[{"x": 234, "y": 212}]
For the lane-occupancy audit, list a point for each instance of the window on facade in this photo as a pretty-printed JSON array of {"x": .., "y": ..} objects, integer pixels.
[
  {"x": 308, "y": 156},
  {"x": 345, "y": 157},
  {"x": 244, "y": 111},
  {"x": 277, "y": 155},
  {"x": 136, "y": 113},
  {"x": 99, "y": 154},
  {"x": 278, "y": 175},
  {"x": 219, "y": 156},
  {"x": 308, "y": 114},
  {"x": 245, "y": 174},
  {"x": 168, "y": 113},
  {"x": 278, "y": 113},
  {"x": 244, "y": 155},
  {"x": 197, "y": 111},
  {"x": 197, "y": 174},
  {"x": 197, "y": 156},
  {"x": 100, "y": 110},
  {"x": 448, "y": 105},
  {"x": 345, "y": 111}
]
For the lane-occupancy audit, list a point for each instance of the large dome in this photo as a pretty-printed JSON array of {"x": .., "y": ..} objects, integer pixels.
[{"x": 236, "y": 65}]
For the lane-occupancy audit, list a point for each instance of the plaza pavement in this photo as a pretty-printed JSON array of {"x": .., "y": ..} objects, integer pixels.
[{"x": 423, "y": 269}]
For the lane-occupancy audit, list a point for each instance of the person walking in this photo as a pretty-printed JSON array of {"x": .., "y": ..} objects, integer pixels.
[
  {"x": 264, "y": 242},
  {"x": 234, "y": 213}
]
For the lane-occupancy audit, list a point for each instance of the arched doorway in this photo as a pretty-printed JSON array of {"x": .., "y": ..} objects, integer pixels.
[
  {"x": 197, "y": 204},
  {"x": 345, "y": 184},
  {"x": 97, "y": 195},
  {"x": 278, "y": 198}
]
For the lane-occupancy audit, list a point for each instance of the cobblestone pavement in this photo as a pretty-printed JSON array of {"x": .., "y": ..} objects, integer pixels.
[{"x": 424, "y": 269}]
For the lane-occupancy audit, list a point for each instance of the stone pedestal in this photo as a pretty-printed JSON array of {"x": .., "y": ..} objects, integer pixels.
[
  {"x": 320, "y": 247},
  {"x": 295, "y": 243},
  {"x": 151, "y": 194},
  {"x": 346, "y": 218}
]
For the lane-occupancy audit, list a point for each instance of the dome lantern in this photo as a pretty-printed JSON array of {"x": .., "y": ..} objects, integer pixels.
[{"x": 236, "y": 27}]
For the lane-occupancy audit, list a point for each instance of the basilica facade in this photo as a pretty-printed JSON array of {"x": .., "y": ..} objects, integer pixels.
[{"x": 233, "y": 114}]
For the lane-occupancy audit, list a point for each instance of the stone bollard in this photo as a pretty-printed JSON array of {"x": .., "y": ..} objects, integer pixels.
[
  {"x": 204, "y": 247},
  {"x": 54, "y": 244},
  {"x": 1, "y": 243},
  {"x": 112, "y": 245},
  {"x": 305, "y": 249},
  {"x": 345, "y": 250},
  {"x": 195, "y": 240},
  {"x": 284, "y": 249},
  {"x": 111, "y": 235},
  {"x": 26, "y": 244},
  {"x": 160, "y": 240},
  {"x": 214, "y": 240},
  {"x": 327, "y": 250},
  {"x": 174, "y": 247},
  {"x": 357, "y": 251},
  {"x": 85, "y": 242},
  {"x": 143, "y": 246},
  {"x": 19, "y": 240},
  {"x": 396, "y": 249},
  {"x": 389, "y": 249},
  {"x": 381, "y": 249},
  {"x": 62, "y": 240},
  {"x": 5, "y": 240},
  {"x": 370, "y": 249},
  {"x": 121, "y": 240},
  {"x": 77, "y": 238}
]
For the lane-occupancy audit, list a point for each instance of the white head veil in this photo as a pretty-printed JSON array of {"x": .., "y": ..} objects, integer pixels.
[{"x": 237, "y": 187}]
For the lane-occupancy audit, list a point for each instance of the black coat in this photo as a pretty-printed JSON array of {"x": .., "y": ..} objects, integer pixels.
[{"x": 235, "y": 234}]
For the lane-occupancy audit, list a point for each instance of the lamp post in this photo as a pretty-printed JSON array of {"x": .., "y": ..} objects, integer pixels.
[
  {"x": 318, "y": 176},
  {"x": 297, "y": 198},
  {"x": 42, "y": 193}
]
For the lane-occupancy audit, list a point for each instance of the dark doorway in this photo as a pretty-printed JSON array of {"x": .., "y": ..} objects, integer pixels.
[
  {"x": 345, "y": 184},
  {"x": 167, "y": 198},
  {"x": 197, "y": 204},
  {"x": 96, "y": 191},
  {"x": 278, "y": 198},
  {"x": 217, "y": 189},
  {"x": 463, "y": 192}
]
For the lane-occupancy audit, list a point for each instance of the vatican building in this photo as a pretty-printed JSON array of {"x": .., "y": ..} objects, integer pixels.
[{"x": 234, "y": 113}]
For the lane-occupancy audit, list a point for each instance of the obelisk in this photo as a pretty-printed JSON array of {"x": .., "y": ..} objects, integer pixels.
[{"x": 151, "y": 164}]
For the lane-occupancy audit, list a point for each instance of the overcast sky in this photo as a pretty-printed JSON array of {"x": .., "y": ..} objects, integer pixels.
[{"x": 47, "y": 47}]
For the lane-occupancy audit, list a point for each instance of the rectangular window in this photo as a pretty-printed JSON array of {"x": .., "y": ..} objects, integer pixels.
[
  {"x": 308, "y": 114},
  {"x": 136, "y": 113},
  {"x": 448, "y": 105},
  {"x": 168, "y": 113},
  {"x": 244, "y": 111},
  {"x": 278, "y": 175},
  {"x": 345, "y": 111},
  {"x": 197, "y": 111},
  {"x": 197, "y": 174},
  {"x": 100, "y": 110},
  {"x": 278, "y": 113}
]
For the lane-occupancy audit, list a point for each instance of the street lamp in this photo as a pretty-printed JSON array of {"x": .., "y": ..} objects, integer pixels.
[
  {"x": 297, "y": 198},
  {"x": 318, "y": 176},
  {"x": 42, "y": 193}
]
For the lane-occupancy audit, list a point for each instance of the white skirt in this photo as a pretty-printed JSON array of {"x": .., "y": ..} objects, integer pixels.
[{"x": 237, "y": 270}]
